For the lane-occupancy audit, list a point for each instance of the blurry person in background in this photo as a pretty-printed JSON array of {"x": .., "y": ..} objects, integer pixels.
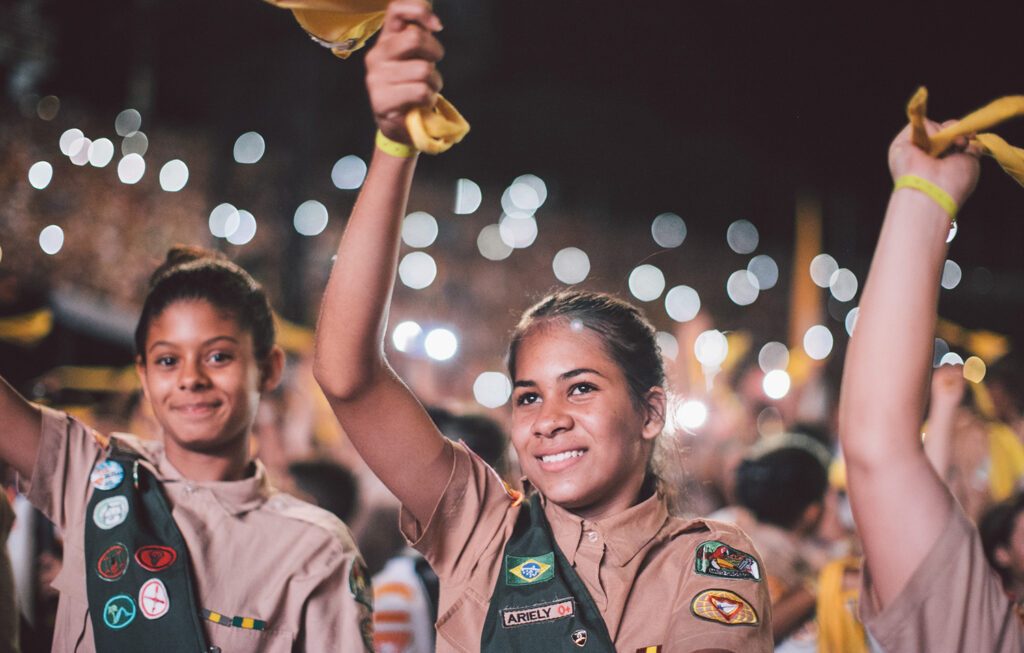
[
  {"x": 328, "y": 484},
  {"x": 981, "y": 460},
  {"x": 8, "y": 604},
  {"x": 1002, "y": 537},
  {"x": 780, "y": 490}
]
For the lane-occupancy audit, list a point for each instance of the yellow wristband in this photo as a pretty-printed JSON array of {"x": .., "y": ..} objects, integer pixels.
[
  {"x": 941, "y": 197},
  {"x": 394, "y": 148}
]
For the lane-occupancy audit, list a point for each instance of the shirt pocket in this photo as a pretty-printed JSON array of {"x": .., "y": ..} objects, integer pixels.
[
  {"x": 463, "y": 623},
  {"x": 239, "y": 640}
]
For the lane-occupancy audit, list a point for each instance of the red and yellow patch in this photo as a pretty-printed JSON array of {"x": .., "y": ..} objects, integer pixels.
[{"x": 724, "y": 607}]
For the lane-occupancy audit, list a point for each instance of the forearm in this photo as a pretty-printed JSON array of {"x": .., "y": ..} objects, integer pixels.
[
  {"x": 938, "y": 439},
  {"x": 890, "y": 353},
  {"x": 353, "y": 313}
]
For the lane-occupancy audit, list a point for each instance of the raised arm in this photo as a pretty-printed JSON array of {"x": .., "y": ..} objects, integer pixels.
[
  {"x": 19, "y": 434},
  {"x": 384, "y": 420},
  {"x": 899, "y": 503}
]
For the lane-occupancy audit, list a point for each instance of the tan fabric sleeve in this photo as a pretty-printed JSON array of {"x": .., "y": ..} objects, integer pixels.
[
  {"x": 472, "y": 512},
  {"x": 60, "y": 479},
  {"x": 694, "y": 633},
  {"x": 953, "y": 601},
  {"x": 334, "y": 620}
]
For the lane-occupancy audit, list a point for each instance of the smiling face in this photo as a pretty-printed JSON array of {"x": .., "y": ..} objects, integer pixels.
[
  {"x": 580, "y": 439},
  {"x": 202, "y": 378}
]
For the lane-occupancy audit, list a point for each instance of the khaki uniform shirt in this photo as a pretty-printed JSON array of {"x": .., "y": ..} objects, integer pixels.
[
  {"x": 255, "y": 552},
  {"x": 953, "y": 602},
  {"x": 638, "y": 565}
]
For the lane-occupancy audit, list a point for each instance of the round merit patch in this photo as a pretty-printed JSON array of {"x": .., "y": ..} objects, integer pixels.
[
  {"x": 724, "y": 607},
  {"x": 113, "y": 562},
  {"x": 119, "y": 611},
  {"x": 110, "y": 512},
  {"x": 153, "y": 557},
  {"x": 153, "y": 600},
  {"x": 107, "y": 475}
]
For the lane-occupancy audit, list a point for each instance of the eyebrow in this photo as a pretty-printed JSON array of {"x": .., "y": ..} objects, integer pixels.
[
  {"x": 206, "y": 343},
  {"x": 526, "y": 383}
]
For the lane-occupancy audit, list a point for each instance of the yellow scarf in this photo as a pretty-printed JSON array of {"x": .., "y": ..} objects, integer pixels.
[
  {"x": 344, "y": 26},
  {"x": 838, "y": 628},
  {"x": 1010, "y": 158}
]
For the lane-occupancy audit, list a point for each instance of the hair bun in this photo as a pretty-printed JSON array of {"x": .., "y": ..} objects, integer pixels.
[{"x": 179, "y": 255}]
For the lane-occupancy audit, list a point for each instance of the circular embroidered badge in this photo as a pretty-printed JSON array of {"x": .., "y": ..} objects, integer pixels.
[
  {"x": 153, "y": 600},
  {"x": 110, "y": 512},
  {"x": 153, "y": 557},
  {"x": 113, "y": 562},
  {"x": 118, "y": 612},
  {"x": 107, "y": 475}
]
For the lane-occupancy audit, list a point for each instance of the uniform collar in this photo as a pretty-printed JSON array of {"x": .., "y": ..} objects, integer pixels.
[
  {"x": 235, "y": 497},
  {"x": 624, "y": 534}
]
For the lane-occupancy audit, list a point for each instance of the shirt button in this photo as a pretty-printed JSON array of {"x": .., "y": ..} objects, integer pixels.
[{"x": 592, "y": 536}]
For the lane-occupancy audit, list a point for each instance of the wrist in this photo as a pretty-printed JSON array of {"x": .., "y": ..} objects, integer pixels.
[
  {"x": 934, "y": 192},
  {"x": 394, "y": 148}
]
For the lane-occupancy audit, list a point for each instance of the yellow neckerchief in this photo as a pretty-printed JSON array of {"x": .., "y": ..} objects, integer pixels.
[
  {"x": 344, "y": 26},
  {"x": 1010, "y": 158},
  {"x": 838, "y": 628}
]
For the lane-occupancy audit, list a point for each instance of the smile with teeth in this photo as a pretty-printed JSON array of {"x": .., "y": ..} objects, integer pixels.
[{"x": 565, "y": 455}]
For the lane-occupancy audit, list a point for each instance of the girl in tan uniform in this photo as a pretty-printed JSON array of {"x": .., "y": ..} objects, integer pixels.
[
  {"x": 182, "y": 544},
  {"x": 591, "y": 560}
]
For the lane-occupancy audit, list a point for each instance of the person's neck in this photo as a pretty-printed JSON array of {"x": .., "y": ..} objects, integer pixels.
[
  {"x": 228, "y": 464},
  {"x": 641, "y": 491}
]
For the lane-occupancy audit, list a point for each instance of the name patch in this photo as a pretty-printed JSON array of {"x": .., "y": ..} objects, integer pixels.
[{"x": 512, "y": 617}]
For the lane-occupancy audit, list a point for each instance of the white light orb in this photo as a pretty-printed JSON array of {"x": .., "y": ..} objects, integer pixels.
[
  {"x": 764, "y": 272},
  {"x": 646, "y": 282},
  {"x": 224, "y": 220},
  {"x": 417, "y": 270},
  {"x": 249, "y": 148},
  {"x": 682, "y": 303},
  {"x": 467, "y": 197},
  {"x": 246, "y": 230},
  {"x": 491, "y": 245},
  {"x": 348, "y": 173},
  {"x": 776, "y": 384},
  {"x": 404, "y": 335},
  {"x": 492, "y": 389},
  {"x": 711, "y": 348},
  {"x": 571, "y": 265},
  {"x": 131, "y": 168},
  {"x": 668, "y": 230},
  {"x": 668, "y": 344},
  {"x": 51, "y": 239},
  {"x": 173, "y": 176},
  {"x": 419, "y": 229},
  {"x": 101, "y": 152},
  {"x": 823, "y": 267},
  {"x": 818, "y": 342},
  {"x": 310, "y": 218},
  {"x": 742, "y": 237},
  {"x": 441, "y": 344},
  {"x": 40, "y": 175},
  {"x": 773, "y": 356},
  {"x": 691, "y": 414}
]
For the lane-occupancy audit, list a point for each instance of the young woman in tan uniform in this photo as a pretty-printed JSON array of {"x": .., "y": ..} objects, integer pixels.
[
  {"x": 183, "y": 544},
  {"x": 927, "y": 586},
  {"x": 591, "y": 561}
]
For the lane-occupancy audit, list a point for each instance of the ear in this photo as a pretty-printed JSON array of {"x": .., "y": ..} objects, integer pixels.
[
  {"x": 1002, "y": 556},
  {"x": 140, "y": 369},
  {"x": 272, "y": 369},
  {"x": 654, "y": 418}
]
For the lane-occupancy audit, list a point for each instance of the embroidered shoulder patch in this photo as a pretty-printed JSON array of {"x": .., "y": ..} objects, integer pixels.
[
  {"x": 724, "y": 607},
  {"x": 529, "y": 571},
  {"x": 512, "y": 617},
  {"x": 359, "y": 584},
  {"x": 714, "y": 558}
]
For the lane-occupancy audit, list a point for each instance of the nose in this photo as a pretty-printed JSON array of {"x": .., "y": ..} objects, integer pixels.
[
  {"x": 192, "y": 376},
  {"x": 552, "y": 419}
]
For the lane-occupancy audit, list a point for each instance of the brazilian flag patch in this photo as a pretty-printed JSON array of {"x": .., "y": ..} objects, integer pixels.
[{"x": 529, "y": 571}]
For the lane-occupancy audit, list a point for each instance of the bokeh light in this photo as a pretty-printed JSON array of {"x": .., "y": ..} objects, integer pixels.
[
  {"x": 101, "y": 152},
  {"x": 668, "y": 230},
  {"x": 348, "y": 172},
  {"x": 951, "y": 358},
  {"x": 440, "y": 344},
  {"x": 764, "y": 272},
  {"x": 518, "y": 230},
  {"x": 818, "y": 342},
  {"x": 843, "y": 285},
  {"x": 417, "y": 270},
  {"x": 419, "y": 229},
  {"x": 68, "y": 138},
  {"x": 40, "y": 174},
  {"x": 173, "y": 175},
  {"x": 136, "y": 143},
  {"x": 939, "y": 351},
  {"x": 127, "y": 122},
  {"x": 310, "y": 218},
  {"x": 491, "y": 245},
  {"x": 467, "y": 197},
  {"x": 740, "y": 289},
  {"x": 646, "y": 282},
  {"x": 51, "y": 239},
  {"x": 79, "y": 151},
  {"x": 691, "y": 414},
  {"x": 711, "y": 348},
  {"x": 492, "y": 389},
  {"x": 682, "y": 303},
  {"x": 131, "y": 168},
  {"x": 571, "y": 265},
  {"x": 773, "y": 356},
  {"x": 48, "y": 107},
  {"x": 668, "y": 344},
  {"x": 742, "y": 237},
  {"x": 246, "y": 230},
  {"x": 404, "y": 335},
  {"x": 249, "y": 148},
  {"x": 823, "y": 267},
  {"x": 851, "y": 320},
  {"x": 776, "y": 384},
  {"x": 951, "y": 274},
  {"x": 974, "y": 369},
  {"x": 224, "y": 220}
]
